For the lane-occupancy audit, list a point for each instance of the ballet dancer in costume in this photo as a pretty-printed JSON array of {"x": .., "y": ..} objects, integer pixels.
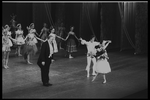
[
  {"x": 91, "y": 53},
  {"x": 13, "y": 25},
  {"x": 6, "y": 44},
  {"x": 44, "y": 32},
  {"x": 71, "y": 43},
  {"x": 52, "y": 33},
  {"x": 61, "y": 30},
  {"x": 30, "y": 43},
  {"x": 102, "y": 65},
  {"x": 20, "y": 39}
]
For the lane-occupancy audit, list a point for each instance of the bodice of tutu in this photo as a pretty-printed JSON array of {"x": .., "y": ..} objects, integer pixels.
[
  {"x": 53, "y": 35},
  {"x": 31, "y": 37},
  {"x": 71, "y": 36},
  {"x": 31, "y": 40},
  {"x": 5, "y": 40},
  {"x": 8, "y": 33},
  {"x": 71, "y": 33},
  {"x": 102, "y": 54},
  {"x": 32, "y": 31},
  {"x": 44, "y": 30},
  {"x": 19, "y": 33}
]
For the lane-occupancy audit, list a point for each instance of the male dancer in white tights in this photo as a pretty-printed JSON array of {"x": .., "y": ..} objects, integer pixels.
[{"x": 90, "y": 54}]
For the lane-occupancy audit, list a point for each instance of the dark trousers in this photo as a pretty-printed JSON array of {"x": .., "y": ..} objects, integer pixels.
[{"x": 45, "y": 71}]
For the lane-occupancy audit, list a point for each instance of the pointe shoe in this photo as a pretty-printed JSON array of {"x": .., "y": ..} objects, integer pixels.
[
  {"x": 53, "y": 60},
  {"x": 19, "y": 55},
  {"x": 88, "y": 75},
  {"x": 29, "y": 62},
  {"x": 93, "y": 73},
  {"x": 104, "y": 82},
  {"x": 6, "y": 67},
  {"x": 70, "y": 57},
  {"x": 86, "y": 68}
]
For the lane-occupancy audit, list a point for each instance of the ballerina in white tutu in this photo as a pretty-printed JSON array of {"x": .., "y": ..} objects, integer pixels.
[
  {"x": 52, "y": 33},
  {"x": 20, "y": 39},
  {"x": 102, "y": 65},
  {"x": 6, "y": 44}
]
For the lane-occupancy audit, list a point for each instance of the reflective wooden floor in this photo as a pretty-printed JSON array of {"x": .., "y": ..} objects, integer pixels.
[{"x": 129, "y": 76}]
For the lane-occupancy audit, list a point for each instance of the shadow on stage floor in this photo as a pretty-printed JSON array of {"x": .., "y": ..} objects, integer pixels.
[{"x": 129, "y": 77}]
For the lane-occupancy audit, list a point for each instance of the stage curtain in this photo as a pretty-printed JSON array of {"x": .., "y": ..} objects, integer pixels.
[
  {"x": 141, "y": 28},
  {"x": 90, "y": 21},
  {"x": 40, "y": 15},
  {"x": 127, "y": 26},
  {"x": 111, "y": 24}
]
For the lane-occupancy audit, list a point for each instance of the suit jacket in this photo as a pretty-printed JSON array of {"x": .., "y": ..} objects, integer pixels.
[{"x": 44, "y": 54}]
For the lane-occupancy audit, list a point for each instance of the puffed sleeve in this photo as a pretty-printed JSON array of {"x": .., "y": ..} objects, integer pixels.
[{"x": 83, "y": 42}]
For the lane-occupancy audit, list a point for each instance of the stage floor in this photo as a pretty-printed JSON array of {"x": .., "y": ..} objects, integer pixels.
[{"x": 129, "y": 76}]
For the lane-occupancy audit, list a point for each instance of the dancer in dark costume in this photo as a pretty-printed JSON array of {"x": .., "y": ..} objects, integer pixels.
[
  {"x": 71, "y": 45},
  {"x": 44, "y": 32},
  {"x": 13, "y": 25}
]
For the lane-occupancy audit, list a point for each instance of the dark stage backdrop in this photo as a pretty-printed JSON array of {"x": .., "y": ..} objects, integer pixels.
[
  {"x": 41, "y": 13},
  {"x": 111, "y": 24},
  {"x": 22, "y": 10},
  {"x": 90, "y": 21},
  {"x": 141, "y": 28},
  {"x": 7, "y": 10}
]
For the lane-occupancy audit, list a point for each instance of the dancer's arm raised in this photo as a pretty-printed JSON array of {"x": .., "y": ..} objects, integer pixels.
[{"x": 83, "y": 41}]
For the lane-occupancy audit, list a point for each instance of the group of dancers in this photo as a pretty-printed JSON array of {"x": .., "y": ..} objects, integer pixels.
[
  {"x": 96, "y": 51},
  {"x": 29, "y": 42}
]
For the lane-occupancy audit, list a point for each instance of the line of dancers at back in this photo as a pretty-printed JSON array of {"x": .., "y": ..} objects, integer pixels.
[
  {"x": 96, "y": 51},
  {"x": 29, "y": 42}
]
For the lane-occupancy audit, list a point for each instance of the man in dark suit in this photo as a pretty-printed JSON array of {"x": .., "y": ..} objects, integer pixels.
[{"x": 44, "y": 60}]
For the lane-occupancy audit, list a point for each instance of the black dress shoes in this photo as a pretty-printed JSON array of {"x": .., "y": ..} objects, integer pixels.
[{"x": 47, "y": 84}]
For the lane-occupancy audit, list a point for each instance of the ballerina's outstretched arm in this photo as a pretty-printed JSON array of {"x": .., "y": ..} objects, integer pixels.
[
  {"x": 14, "y": 40},
  {"x": 60, "y": 37},
  {"x": 39, "y": 39},
  {"x": 25, "y": 38},
  {"x": 67, "y": 37},
  {"x": 105, "y": 45},
  {"x": 76, "y": 37},
  {"x": 41, "y": 33},
  {"x": 83, "y": 41},
  {"x": 37, "y": 34}
]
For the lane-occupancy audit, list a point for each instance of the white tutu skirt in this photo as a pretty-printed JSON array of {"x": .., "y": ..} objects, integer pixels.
[
  {"x": 30, "y": 49},
  {"x": 6, "y": 47},
  {"x": 20, "y": 41},
  {"x": 55, "y": 46},
  {"x": 35, "y": 40},
  {"x": 102, "y": 66}
]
